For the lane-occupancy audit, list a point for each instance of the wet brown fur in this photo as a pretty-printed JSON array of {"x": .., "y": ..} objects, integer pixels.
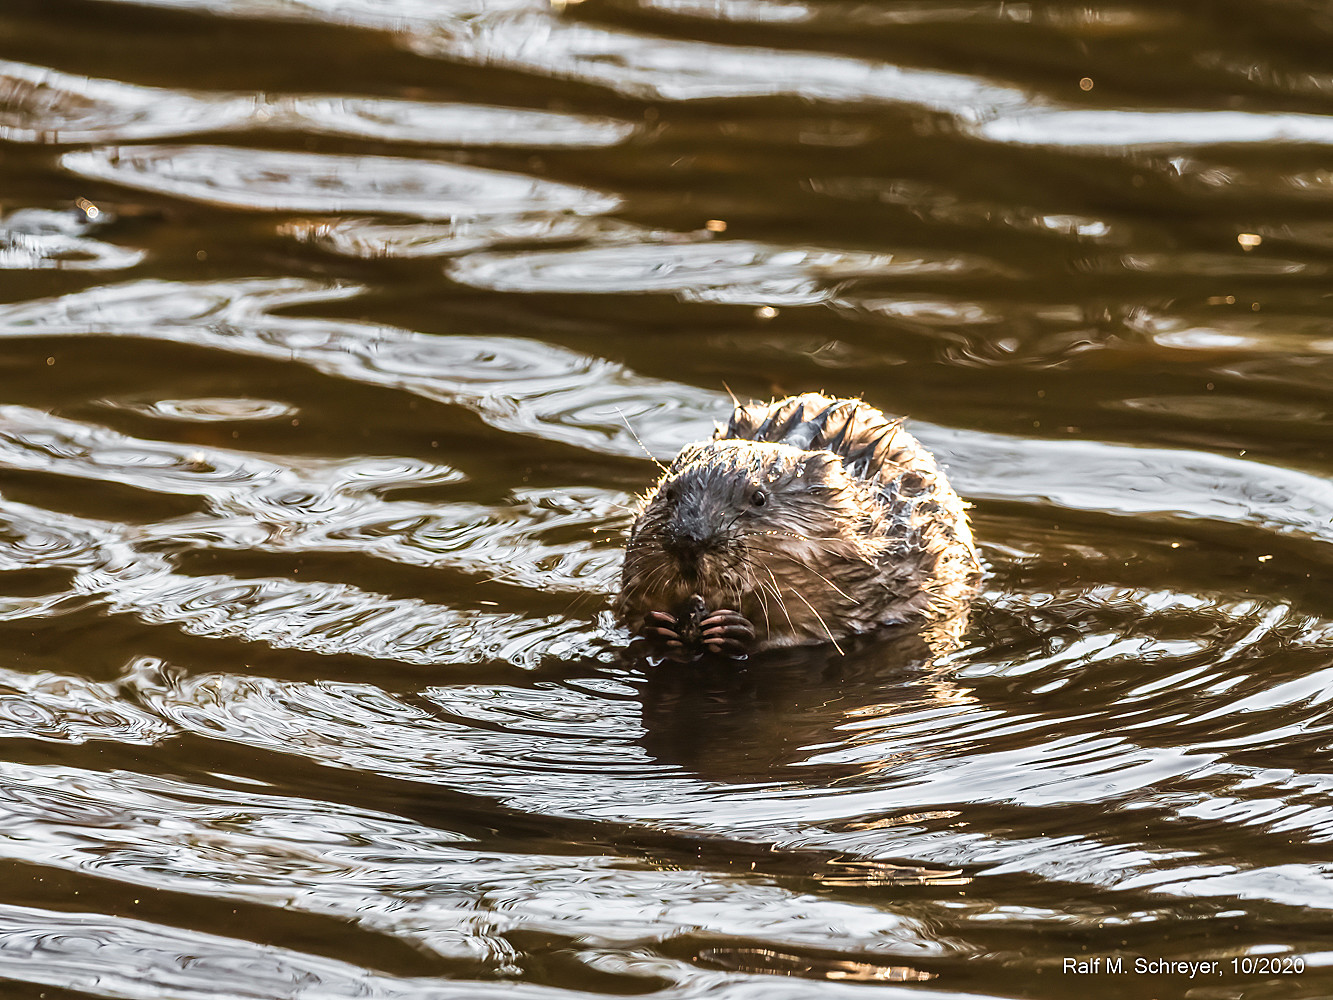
[{"x": 857, "y": 528}]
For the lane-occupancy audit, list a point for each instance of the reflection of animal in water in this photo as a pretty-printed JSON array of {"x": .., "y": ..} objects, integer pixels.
[
  {"x": 805, "y": 520},
  {"x": 800, "y": 718}
]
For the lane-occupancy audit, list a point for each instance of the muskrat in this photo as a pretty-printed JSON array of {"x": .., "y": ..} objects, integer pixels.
[{"x": 803, "y": 520}]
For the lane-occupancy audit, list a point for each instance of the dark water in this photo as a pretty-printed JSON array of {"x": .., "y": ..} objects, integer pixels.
[{"x": 322, "y": 326}]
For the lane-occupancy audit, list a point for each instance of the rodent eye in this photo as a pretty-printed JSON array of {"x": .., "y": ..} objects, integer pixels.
[
  {"x": 671, "y": 493},
  {"x": 758, "y": 498}
]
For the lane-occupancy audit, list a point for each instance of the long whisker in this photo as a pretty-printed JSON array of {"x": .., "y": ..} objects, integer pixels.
[
  {"x": 829, "y": 582},
  {"x": 579, "y": 600},
  {"x": 781, "y": 605},
  {"x": 639, "y": 441},
  {"x": 653, "y": 578},
  {"x": 763, "y": 604},
  {"x": 749, "y": 565},
  {"x": 777, "y": 592},
  {"x": 631, "y": 508},
  {"x": 660, "y": 575},
  {"x": 827, "y": 632}
]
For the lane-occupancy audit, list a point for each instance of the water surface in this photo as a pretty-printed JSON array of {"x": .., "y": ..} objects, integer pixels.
[{"x": 335, "y": 341}]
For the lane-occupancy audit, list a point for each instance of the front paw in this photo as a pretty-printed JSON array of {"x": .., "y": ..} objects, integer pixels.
[
  {"x": 726, "y": 632},
  {"x": 660, "y": 626}
]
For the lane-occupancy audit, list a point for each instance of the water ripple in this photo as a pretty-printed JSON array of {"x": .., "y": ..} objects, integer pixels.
[
  {"x": 40, "y": 105},
  {"x": 273, "y": 180},
  {"x": 311, "y": 505},
  {"x": 40, "y": 239},
  {"x": 517, "y": 385},
  {"x": 31, "y": 538},
  {"x": 308, "y": 684},
  {"x": 535, "y": 388},
  {"x": 1102, "y": 19},
  {"x": 1115, "y": 131},
  {"x": 127, "y": 959},
  {"x": 1159, "y": 483},
  {"x": 522, "y": 35},
  {"x": 936, "y": 204},
  {"x": 433, "y": 888},
  {"x": 656, "y": 68},
  {"x": 69, "y": 709},
  {"x": 373, "y": 238},
  {"x": 114, "y": 566},
  {"x": 336, "y": 619},
  {"x": 600, "y": 751},
  {"x": 376, "y": 14},
  {"x": 207, "y": 410},
  {"x": 732, "y": 271},
  {"x": 435, "y": 122}
]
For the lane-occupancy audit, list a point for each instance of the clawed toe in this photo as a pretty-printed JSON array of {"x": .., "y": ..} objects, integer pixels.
[
  {"x": 728, "y": 623},
  {"x": 727, "y": 631},
  {"x": 660, "y": 627},
  {"x": 725, "y": 617},
  {"x": 736, "y": 634}
]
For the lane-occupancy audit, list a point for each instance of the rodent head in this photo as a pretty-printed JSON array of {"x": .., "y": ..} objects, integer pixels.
[
  {"x": 718, "y": 493},
  {"x": 730, "y": 518}
]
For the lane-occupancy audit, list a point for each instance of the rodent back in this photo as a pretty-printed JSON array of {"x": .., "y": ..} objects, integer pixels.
[{"x": 869, "y": 443}]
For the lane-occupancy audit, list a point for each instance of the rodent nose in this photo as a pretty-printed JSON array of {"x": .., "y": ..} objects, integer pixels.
[
  {"x": 683, "y": 541},
  {"x": 687, "y": 535}
]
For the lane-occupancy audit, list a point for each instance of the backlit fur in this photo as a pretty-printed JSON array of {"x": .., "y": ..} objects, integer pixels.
[{"x": 857, "y": 527}]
